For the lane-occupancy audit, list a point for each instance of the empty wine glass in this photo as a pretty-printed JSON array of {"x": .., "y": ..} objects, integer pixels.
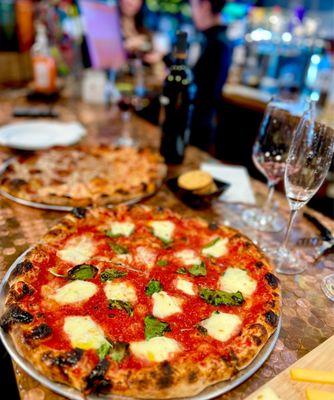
[
  {"x": 125, "y": 139},
  {"x": 327, "y": 286},
  {"x": 307, "y": 165},
  {"x": 270, "y": 151}
]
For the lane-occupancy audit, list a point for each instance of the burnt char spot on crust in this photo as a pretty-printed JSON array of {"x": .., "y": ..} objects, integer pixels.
[
  {"x": 230, "y": 359},
  {"x": 69, "y": 358},
  {"x": 272, "y": 280},
  {"x": 22, "y": 268},
  {"x": 192, "y": 377},
  {"x": 213, "y": 226},
  {"x": 166, "y": 377},
  {"x": 258, "y": 333},
  {"x": 272, "y": 318},
  {"x": 259, "y": 264},
  {"x": 96, "y": 381},
  {"x": 39, "y": 332},
  {"x": 79, "y": 212},
  {"x": 19, "y": 291},
  {"x": 15, "y": 315},
  {"x": 16, "y": 183}
]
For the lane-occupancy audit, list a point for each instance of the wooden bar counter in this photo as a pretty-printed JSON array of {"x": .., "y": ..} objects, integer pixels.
[{"x": 308, "y": 316}]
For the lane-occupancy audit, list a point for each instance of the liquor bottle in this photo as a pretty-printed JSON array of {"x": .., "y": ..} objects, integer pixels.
[
  {"x": 176, "y": 104},
  {"x": 44, "y": 66}
]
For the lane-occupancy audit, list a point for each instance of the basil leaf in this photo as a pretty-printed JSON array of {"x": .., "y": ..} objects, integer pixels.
[
  {"x": 202, "y": 330},
  {"x": 111, "y": 274},
  {"x": 119, "y": 350},
  {"x": 213, "y": 242},
  {"x": 54, "y": 273},
  {"x": 121, "y": 305},
  {"x": 82, "y": 272},
  {"x": 103, "y": 350},
  {"x": 162, "y": 263},
  {"x": 112, "y": 235},
  {"x": 219, "y": 297},
  {"x": 153, "y": 286},
  {"x": 198, "y": 269},
  {"x": 154, "y": 327},
  {"x": 182, "y": 270},
  {"x": 117, "y": 248}
]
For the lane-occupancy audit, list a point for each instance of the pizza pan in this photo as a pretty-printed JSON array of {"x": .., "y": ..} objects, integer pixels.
[
  {"x": 73, "y": 394},
  {"x": 53, "y": 207}
]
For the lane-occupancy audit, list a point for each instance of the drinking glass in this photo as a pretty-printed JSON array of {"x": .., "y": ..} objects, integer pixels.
[
  {"x": 307, "y": 165},
  {"x": 125, "y": 139},
  {"x": 327, "y": 286},
  {"x": 270, "y": 151}
]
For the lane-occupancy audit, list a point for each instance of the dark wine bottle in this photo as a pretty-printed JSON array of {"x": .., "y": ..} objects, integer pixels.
[{"x": 176, "y": 104}]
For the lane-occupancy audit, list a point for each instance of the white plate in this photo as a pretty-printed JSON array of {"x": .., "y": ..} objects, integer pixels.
[
  {"x": 209, "y": 393},
  {"x": 40, "y": 135}
]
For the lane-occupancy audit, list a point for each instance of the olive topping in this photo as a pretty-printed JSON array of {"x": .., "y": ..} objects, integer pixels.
[
  {"x": 15, "y": 315},
  {"x": 272, "y": 318},
  {"x": 96, "y": 380},
  {"x": 39, "y": 332},
  {"x": 79, "y": 212},
  {"x": 272, "y": 280}
]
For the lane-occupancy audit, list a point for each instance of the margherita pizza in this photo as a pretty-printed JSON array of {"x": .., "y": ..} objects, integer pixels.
[
  {"x": 82, "y": 175},
  {"x": 141, "y": 302}
]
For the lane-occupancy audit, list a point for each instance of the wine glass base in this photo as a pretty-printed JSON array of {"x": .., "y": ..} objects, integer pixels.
[
  {"x": 286, "y": 261},
  {"x": 327, "y": 286},
  {"x": 125, "y": 142},
  {"x": 262, "y": 220}
]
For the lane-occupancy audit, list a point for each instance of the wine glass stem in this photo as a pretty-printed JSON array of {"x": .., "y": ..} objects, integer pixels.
[
  {"x": 293, "y": 214},
  {"x": 271, "y": 192}
]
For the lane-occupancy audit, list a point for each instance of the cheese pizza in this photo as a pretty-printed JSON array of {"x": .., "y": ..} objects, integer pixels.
[
  {"x": 83, "y": 175},
  {"x": 141, "y": 302}
]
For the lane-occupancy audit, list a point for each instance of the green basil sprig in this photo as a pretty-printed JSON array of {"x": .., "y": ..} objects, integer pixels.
[
  {"x": 121, "y": 305},
  {"x": 154, "y": 286},
  {"x": 110, "y": 274},
  {"x": 155, "y": 327},
  {"x": 219, "y": 297},
  {"x": 80, "y": 272}
]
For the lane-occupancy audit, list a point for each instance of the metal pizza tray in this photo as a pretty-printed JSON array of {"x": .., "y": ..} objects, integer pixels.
[
  {"x": 54, "y": 207},
  {"x": 73, "y": 394}
]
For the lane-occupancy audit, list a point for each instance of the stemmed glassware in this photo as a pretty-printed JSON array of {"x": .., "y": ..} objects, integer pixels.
[
  {"x": 125, "y": 139},
  {"x": 307, "y": 165},
  {"x": 270, "y": 151},
  {"x": 327, "y": 286}
]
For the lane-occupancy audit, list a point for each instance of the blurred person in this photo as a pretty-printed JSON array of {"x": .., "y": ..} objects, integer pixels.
[
  {"x": 210, "y": 71},
  {"x": 137, "y": 40}
]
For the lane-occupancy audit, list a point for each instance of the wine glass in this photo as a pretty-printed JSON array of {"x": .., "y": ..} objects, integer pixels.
[
  {"x": 270, "y": 151},
  {"x": 327, "y": 285},
  {"x": 125, "y": 138},
  {"x": 307, "y": 165}
]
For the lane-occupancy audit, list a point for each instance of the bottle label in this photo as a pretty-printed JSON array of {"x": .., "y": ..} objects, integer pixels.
[{"x": 42, "y": 78}]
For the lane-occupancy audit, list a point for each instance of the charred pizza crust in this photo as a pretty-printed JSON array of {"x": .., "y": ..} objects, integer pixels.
[
  {"x": 82, "y": 176},
  {"x": 184, "y": 374}
]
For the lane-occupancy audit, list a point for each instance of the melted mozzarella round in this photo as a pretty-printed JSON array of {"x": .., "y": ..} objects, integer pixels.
[
  {"x": 222, "y": 326},
  {"x": 185, "y": 286},
  {"x": 218, "y": 249},
  {"x": 156, "y": 349},
  {"x": 83, "y": 332},
  {"x": 163, "y": 229},
  {"x": 123, "y": 291},
  {"x": 165, "y": 305},
  {"x": 74, "y": 292},
  {"x": 78, "y": 250},
  {"x": 236, "y": 279},
  {"x": 122, "y": 228},
  {"x": 188, "y": 257}
]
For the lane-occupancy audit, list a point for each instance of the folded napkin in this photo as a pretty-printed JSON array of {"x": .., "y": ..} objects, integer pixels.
[{"x": 237, "y": 176}]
